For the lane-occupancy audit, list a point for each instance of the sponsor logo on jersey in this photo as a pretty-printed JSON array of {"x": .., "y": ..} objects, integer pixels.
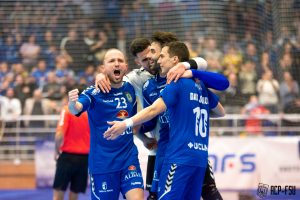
[
  {"x": 152, "y": 94},
  {"x": 131, "y": 167},
  {"x": 122, "y": 114},
  {"x": 128, "y": 96}
]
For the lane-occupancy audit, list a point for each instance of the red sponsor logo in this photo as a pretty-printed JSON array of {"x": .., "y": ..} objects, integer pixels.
[
  {"x": 122, "y": 114},
  {"x": 131, "y": 167}
]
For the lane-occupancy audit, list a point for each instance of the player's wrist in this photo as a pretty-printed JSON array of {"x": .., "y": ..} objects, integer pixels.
[
  {"x": 128, "y": 122},
  {"x": 186, "y": 65}
]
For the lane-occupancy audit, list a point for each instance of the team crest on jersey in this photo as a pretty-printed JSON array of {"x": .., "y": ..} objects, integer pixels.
[
  {"x": 122, "y": 114},
  {"x": 131, "y": 168},
  {"x": 128, "y": 96}
]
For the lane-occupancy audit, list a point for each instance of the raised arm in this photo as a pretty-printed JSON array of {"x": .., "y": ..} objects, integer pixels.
[
  {"x": 75, "y": 107},
  {"x": 118, "y": 127},
  {"x": 178, "y": 70}
]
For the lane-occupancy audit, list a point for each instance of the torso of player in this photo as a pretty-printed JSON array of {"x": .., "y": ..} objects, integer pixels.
[
  {"x": 118, "y": 104},
  {"x": 189, "y": 125},
  {"x": 151, "y": 92}
]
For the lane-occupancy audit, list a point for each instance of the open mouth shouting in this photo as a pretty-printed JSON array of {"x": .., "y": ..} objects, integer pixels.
[{"x": 117, "y": 73}]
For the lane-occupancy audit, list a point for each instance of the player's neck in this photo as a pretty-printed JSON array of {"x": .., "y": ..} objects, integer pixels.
[{"x": 116, "y": 85}]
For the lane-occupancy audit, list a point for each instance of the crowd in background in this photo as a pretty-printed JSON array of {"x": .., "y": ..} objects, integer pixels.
[{"x": 50, "y": 47}]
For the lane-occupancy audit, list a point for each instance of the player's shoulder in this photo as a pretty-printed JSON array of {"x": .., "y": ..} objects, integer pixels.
[
  {"x": 128, "y": 86},
  {"x": 149, "y": 83},
  {"x": 91, "y": 90}
]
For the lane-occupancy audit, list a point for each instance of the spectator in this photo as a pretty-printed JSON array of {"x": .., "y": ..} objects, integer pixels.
[
  {"x": 248, "y": 79},
  {"x": 40, "y": 73},
  {"x": 268, "y": 89},
  {"x": 30, "y": 52},
  {"x": 36, "y": 105},
  {"x": 11, "y": 108},
  {"x": 11, "y": 54},
  {"x": 289, "y": 92}
]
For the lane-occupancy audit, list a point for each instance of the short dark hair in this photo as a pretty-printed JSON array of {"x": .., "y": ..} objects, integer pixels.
[
  {"x": 138, "y": 45},
  {"x": 163, "y": 37},
  {"x": 178, "y": 49}
]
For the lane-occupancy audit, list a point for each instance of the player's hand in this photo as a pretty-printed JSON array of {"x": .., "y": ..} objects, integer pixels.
[
  {"x": 102, "y": 82},
  {"x": 118, "y": 127},
  {"x": 175, "y": 72},
  {"x": 150, "y": 143},
  {"x": 73, "y": 96},
  {"x": 187, "y": 74}
]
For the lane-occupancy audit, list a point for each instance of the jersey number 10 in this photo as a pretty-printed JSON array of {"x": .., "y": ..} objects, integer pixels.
[{"x": 201, "y": 121}]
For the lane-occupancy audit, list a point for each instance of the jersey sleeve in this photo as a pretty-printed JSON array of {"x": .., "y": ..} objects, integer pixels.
[
  {"x": 85, "y": 98},
  {"x": 212, "y": 80},
  {"x": 170, "y": 93}
]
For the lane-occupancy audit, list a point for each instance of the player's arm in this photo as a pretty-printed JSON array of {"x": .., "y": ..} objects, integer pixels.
[
  {"x": 60, "y": 130},
  {"x": 210, "y": 79},
  {"x": 178, "y": 70},
  {"x": 216, "y": 108},
  {"x": 218, "y": 111},
  {"x": 75, "y": 107},
  {"x": 118, "y": 127}
]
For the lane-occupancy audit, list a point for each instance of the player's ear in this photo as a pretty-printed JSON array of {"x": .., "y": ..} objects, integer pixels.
[
  {"x": 137, "y": 61},
  {"x": 175, "y": 59}
]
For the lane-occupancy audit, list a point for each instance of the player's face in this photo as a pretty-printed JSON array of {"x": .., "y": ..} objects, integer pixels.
[
  {"x": 142, "y": 59},
  {"x": 115, "y": 66},
  {"x": 153, "y": 56},
  {"x": 165, "y": 61}
]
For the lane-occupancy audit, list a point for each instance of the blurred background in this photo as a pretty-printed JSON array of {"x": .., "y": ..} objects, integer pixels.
[{"x": 50, "y": 47}]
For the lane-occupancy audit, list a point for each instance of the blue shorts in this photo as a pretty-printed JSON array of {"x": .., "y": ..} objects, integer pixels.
[
  {"x": 157, "y": 170},
  {"x": 180, "y": 182},
  {"x": 109, "y": 186}
]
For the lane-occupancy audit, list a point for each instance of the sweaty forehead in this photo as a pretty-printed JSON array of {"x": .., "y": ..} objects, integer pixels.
[{"x": 114, "y": 53}]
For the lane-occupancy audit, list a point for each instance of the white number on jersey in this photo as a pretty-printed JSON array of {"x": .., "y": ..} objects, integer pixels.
[
  {"x": 121, "y": 102},
  {"x": 201, "y": 121}
]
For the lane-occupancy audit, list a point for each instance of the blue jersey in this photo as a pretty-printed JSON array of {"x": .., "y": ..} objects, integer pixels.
[
  {"x": 109, "y": 155},
  {"x": 151, "y": 92},
  {"x": 188, "y": 105}
]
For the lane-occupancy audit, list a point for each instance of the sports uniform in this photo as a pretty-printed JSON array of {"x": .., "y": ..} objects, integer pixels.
[
  {"x": 113, "y": 165},
  {"x": 188, "y": 106}
]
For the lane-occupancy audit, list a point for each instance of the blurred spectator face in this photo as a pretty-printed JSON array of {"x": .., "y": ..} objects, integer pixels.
[
  {"x": 3, "y": 67},
  {"x": 51, "y": 77},
  {"x": 48, "y": 36},
  {"x": 42, "y": 65},
  {"x": 232, "y": 79},
  {"x": 9, "y": 40},
  {"x": 211, "y": 44},
  {"x": 251, "y": 49},
  {"x": 90, "y": 70},
  {"x": 19, "y": 80},
  {"x": 91, "y": 33},
  {"x": 286, "y": 60},
  {"x": 268, "y": 75},
  {"x": 10, "y": 93},
  {"x": 72, "y": 34},
  {"x": 61, "y": 62},
  {"x": 37, "y": 95},
  {"x": 287, "y": 76},
  {"x": 18, "y": 68},
  {"x": 31, "y": 39}
]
